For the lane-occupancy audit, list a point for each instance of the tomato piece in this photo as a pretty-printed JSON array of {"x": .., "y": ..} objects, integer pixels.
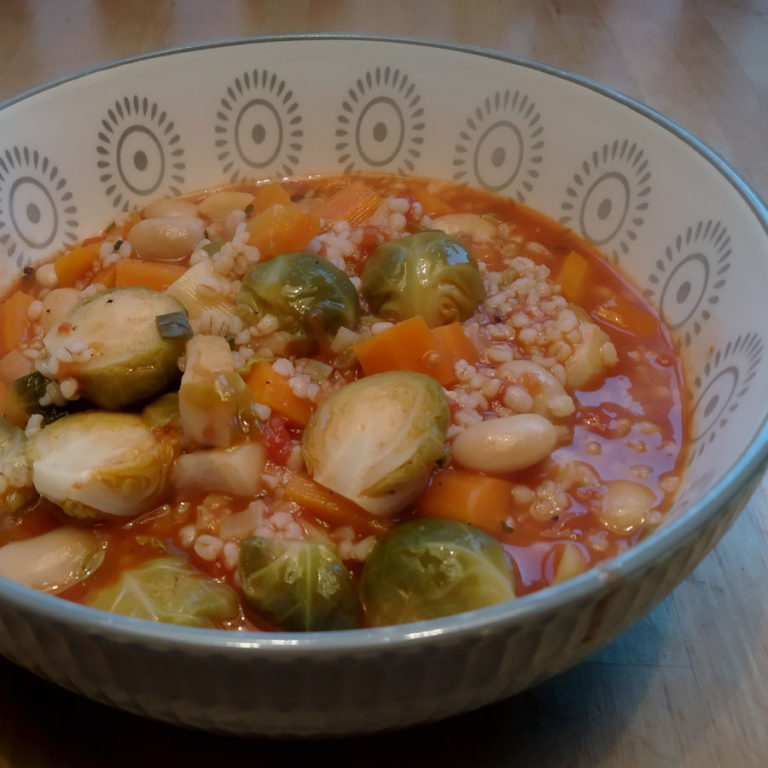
[{"x": 277, "y": 439}]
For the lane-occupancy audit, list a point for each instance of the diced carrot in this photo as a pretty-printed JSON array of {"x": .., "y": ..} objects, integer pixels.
[
  {"x": 470, "y": 497},
  {"x": 572, "y": 276},
  {"x": 355, "y": 203},
  {"x": 75, "y": 264},
  {"x": 266, "y": 195},
  {"x": 406, "y": 346},
  {"x": 431, "y": 204},
  {"x": 282, "y": 229},
  {"x": 273, "y": 389},
  {"x": 411, "y": 345},
  {"x": 14, "y": 365},
  {"x": 95, "y": 239},
  {"x": 106, "y": 277},
  {"x": 625, "y": 315},
  {"x": 13, "y": 321},
  {"x": 330, "y": 507},
  {"x": 156, "y": 275},
  {"x": 452, "y": 345}
]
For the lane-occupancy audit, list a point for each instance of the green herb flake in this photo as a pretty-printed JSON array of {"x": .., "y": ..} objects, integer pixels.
[{"x": 174, "y": 325}]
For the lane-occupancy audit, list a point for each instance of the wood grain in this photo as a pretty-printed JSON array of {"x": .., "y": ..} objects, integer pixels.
[{"x": 688, "y": 685}]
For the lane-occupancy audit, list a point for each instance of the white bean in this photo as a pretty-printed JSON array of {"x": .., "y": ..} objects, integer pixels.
[
  {"x": 465, "y": 224},
  {"x": 625, "y": 506},
  {"x": 506, "y": 444},
  {"x": 56, "y": 304},
  {"x": 169, "y": 208},
  {"x": 549, "y": 397},
  {"x": 167, "y": 238},
  {"x": 218, "y": 204}
]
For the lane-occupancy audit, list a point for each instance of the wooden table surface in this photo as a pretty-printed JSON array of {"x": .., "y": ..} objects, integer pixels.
[{"x": 688, "y": 685}]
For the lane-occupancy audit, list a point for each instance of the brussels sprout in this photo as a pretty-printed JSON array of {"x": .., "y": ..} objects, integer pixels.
[
  {"x": 429, "y": 274},
  {"x": 169, "y": 590},
  {"x": 163, "y": 412},
  {"x": 111, "y": 345},
  {"x": 53, "y": 561},
  {"x": 98, "y": 463},
  {"x": 425, "y": 569},
  {"x": 376, "y": 440},
  {"x": 300, "y": 586},
  {"x": 215, "y": 403},
  {"x": 310, "y": 297},
  {"x": 16, "y": 487}
]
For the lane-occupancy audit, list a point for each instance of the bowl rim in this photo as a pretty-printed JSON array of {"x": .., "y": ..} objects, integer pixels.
[{"x": 747, "y": 468}]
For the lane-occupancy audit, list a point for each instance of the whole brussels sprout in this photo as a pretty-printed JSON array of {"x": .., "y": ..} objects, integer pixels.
[
  {"x": 300, "y": 586},
  {"x": 425, "y": 569},
  {"x": 429, "y": 274},
  {"x": 310, "y": 297}
]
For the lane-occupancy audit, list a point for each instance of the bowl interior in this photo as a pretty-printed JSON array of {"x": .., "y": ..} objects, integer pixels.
[{"x": 80, "y": 153}]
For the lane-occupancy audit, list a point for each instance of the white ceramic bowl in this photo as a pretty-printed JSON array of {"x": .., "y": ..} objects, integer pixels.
[{"x": 661, "y": 205}]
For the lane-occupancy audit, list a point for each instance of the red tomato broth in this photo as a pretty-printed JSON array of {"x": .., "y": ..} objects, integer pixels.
[
  {"x": 609, "y": 431},
  {"x": 644, "y": 386}
]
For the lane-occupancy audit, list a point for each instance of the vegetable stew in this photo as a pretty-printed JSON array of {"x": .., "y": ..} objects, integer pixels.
[{"x": 328, "y": 403}]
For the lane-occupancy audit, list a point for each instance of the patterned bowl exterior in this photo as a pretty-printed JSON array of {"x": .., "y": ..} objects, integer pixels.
[{"x": 657, "y": 202}]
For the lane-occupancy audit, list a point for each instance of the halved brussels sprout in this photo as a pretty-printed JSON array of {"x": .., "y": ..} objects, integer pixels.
[
  {"x": 425, "y": 569},
  {"x": 53, "y": 561},
  {"x": 429, "y": 274},
  {"x": 98, "y": 463},
  {"x": 169, "y": 590},
  {"x": 15, "y": 469},
  {"x": 376, "y": 440},
  {"x": 308, "y": 295},
  {"x": 111, "y": 345},
  {"x": 300, "y": 586}
]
